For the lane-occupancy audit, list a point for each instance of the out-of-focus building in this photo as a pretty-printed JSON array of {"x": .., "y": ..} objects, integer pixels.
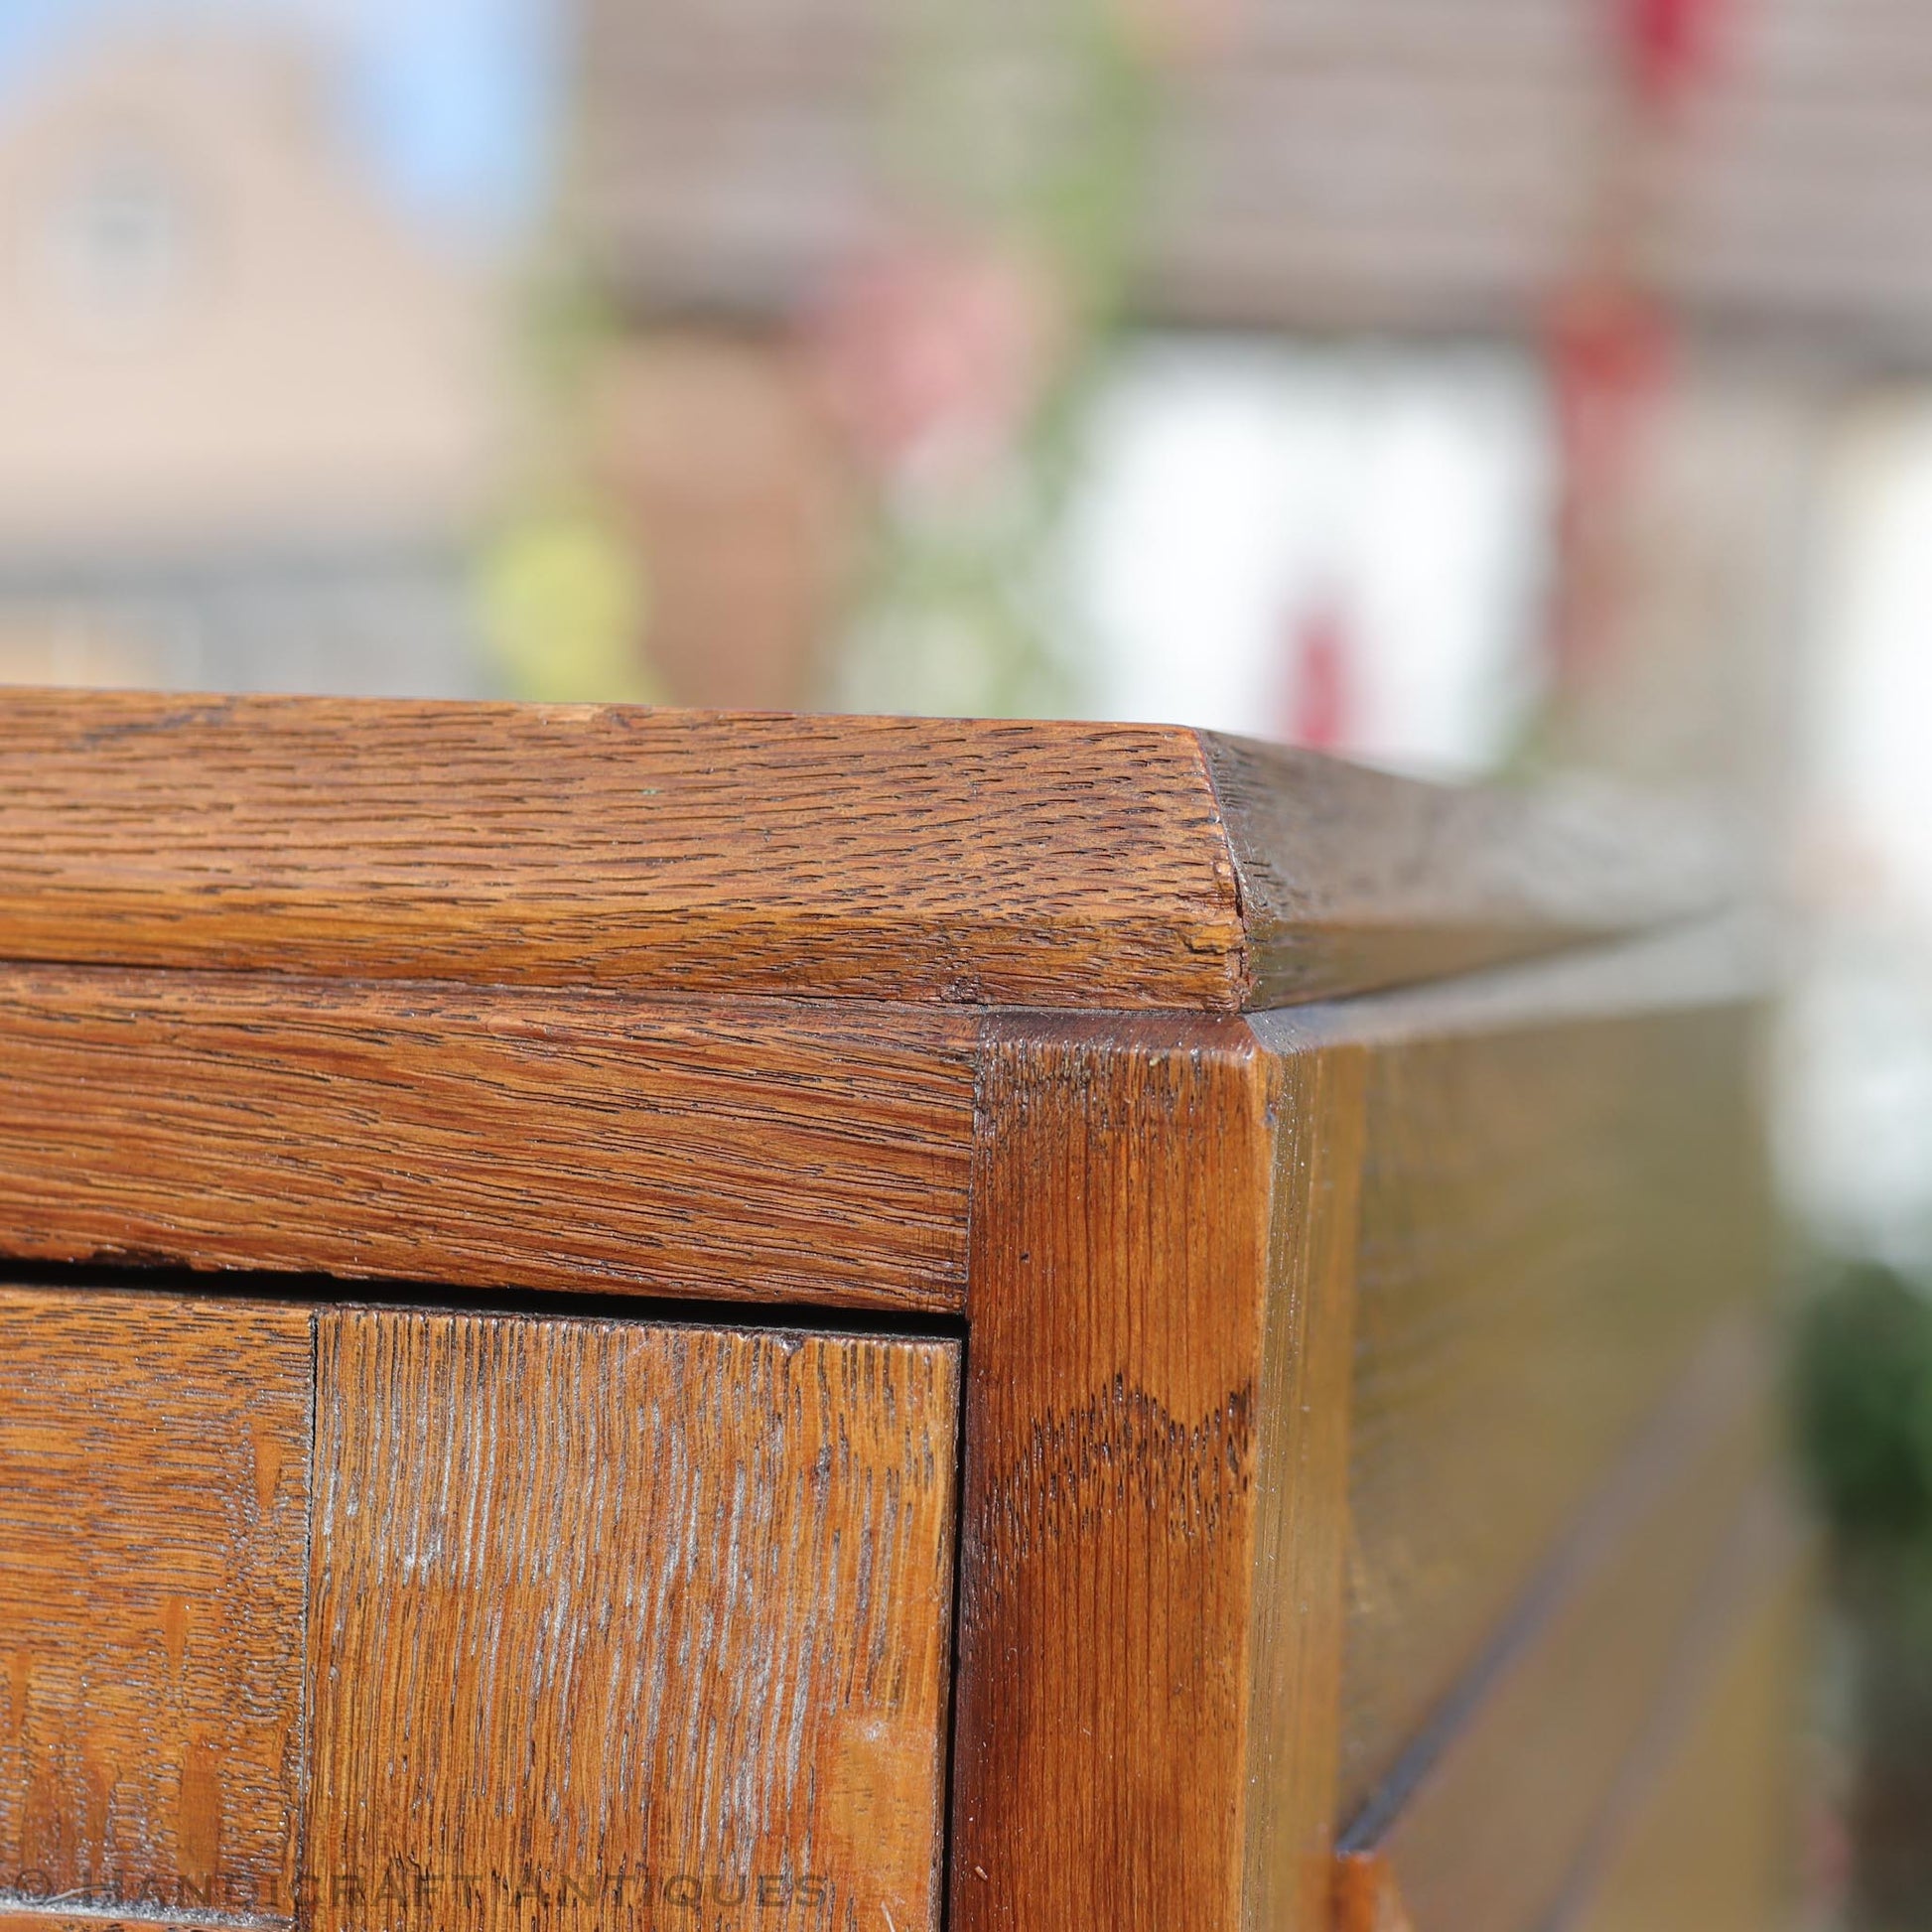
[
  {"x": 725, "y": 473},
  {"x": 249, "y": 414},
  {"x": 1395, "y": 165},
  {"x": 1425, "y": 171}
]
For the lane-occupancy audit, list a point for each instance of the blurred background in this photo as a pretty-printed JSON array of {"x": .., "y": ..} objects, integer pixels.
[{"x": 1478, "y": 387}]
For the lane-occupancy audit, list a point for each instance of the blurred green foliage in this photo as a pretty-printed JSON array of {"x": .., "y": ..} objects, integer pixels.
[
  {"x": 1031, "y": 132},
  {"x": 1864, "y": 1405},
  {"x": 563, "y": 605},
  {"x": 1863, "y": 1415}
]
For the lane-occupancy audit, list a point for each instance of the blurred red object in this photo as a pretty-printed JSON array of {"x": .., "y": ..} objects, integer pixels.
[
  {"x": 1183, "y": 33},
  {"x": 1610, "y": 341},
  {"x": 933, "y": 352},
  {"x": 1609, "y": 349},
  {"x": 1609, "y": 354},
  {"x": 1320, "y": 698},
  {"x": 1673, "y": 45}
]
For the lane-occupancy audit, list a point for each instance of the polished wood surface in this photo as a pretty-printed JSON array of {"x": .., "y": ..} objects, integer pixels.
[
  {"x": 588, "y": 1616},
  {"x": 1496, "y": 1800},
  {"x": 1352, "y": 880},
  {"x": 1698, "y": 1831},
  {"x": 1156, "y": 1410},
  {"x": 1108, "y": 1533},
  {"x": 487, "y": 1136},
  {"x": 614, "y": 846},
  {"x": 960, "y": 863},
  {"x": 1260, "y": 1377},
  {"x": 1318, "y": 1115},
  {"x": 154, "y": 1514},
  {"x": 615, "y": 1620},
  {"x": 1561, "y": 1194},
  {"x": 1708, "y": 1839},
  {"x": 50, "y": 1918}
]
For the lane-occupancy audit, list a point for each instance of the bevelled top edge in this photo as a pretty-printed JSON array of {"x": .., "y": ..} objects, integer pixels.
[{"x": 956, "y": 862}]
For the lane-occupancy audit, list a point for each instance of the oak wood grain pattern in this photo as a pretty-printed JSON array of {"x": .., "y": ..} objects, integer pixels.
[
  {"x": 1106, "y": 1535},
  {"x": 602, "y": 1612},
  {"x": 1505, "y": 1807},
  {"x": 1016, "y": 864},
  {"x": 1354, "y": 879},
  {"x": 1302, "y": 1477},
  {"x": 1557, "y": 1201},
  {"x": 52, "y": 1918},
  {"x": 154, "y": 1514},
  {"x": 1706, "y": 1841},
  {"x": 486, "y": 1136},
  {"x": 1126, "y": 1736},
  {"x": 862, "y": 858}
]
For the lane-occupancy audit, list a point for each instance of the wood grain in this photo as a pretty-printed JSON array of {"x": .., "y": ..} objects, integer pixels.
[
  {"x": 1698, "y": 1833},
  {"x": 1353, "y": 880},
  {"x": 1706, "y": 1839},
  {"x": 1297, "y": 1343},
  {"x": 1150, "y": 1574},
  {"x": 487, "y": 1136},
  {"x": 613, "y": 846},
  {"x": 1562, "y": 1191},
  {"x": 1017, "y": 864},
  {"x": 52, "y": 1917},
  {"x": 1121, "y": 1255},
  {"x": 615, "y": 1620},
  {"x": 1317, "y": 1117},
  {"x": 1487, "y": 1829},
  {"x": 154, "y": 1516}
]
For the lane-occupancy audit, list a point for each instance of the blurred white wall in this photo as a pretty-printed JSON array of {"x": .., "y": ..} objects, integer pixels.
[
  {"x": 1238, "y": 489},
  {"x": 1857, "y": 1145}
]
